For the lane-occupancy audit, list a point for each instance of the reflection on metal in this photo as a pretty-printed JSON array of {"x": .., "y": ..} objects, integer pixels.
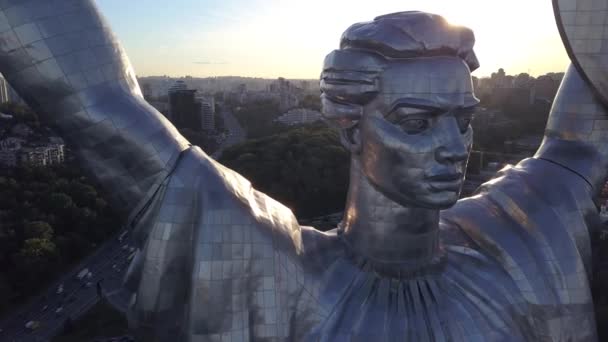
[
  {"x": 583, "y": 25},
  {"x": 218, "y": 260}
]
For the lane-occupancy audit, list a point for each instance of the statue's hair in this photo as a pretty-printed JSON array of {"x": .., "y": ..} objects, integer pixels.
[{"x": 350, "y": 76}]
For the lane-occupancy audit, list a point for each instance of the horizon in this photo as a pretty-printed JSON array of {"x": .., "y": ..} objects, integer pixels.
[
  {"x": 316, "y": 79},
  {"x": 210, "y": 38}
]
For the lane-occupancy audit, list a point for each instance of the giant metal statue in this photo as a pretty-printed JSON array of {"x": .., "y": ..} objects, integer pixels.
[{"x": 219, "y": 261}]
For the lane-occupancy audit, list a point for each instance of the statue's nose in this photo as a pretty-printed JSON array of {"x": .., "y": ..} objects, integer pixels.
[{"x": 452, "y": 146}]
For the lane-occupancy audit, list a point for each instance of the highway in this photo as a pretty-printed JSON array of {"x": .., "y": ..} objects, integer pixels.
[
  {"x": 108, "y": 263},
  {"x": 236, "y": 133}
]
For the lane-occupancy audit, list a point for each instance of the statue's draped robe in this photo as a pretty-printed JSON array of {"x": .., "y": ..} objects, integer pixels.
[{"x": 219, "y": 261}]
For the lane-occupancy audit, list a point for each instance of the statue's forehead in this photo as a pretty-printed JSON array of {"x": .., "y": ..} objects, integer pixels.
[{"x": 445, "y": 81}]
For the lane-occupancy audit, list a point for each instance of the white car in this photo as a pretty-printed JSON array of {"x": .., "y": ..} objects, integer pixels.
[
  {"x": 82, "y": 274},
  {"x": 59, "y": 310},
  {"x": 32, "y": 325},
  {"x": 60, "y": 289},
  {"x": 122, "y": 235}
]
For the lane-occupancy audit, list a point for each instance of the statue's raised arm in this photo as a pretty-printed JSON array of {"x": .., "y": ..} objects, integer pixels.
[
  {"x": 576, "y": 136},
  {"x": 62, "y": 58}
]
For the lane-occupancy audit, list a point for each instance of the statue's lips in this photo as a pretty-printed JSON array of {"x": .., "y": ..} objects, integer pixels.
[
  {"x": 445, "y": 182},
  {"x": 445, "y": 177}
]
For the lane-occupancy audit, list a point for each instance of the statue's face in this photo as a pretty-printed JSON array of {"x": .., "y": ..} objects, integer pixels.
[{"x": 415, "y": 136}]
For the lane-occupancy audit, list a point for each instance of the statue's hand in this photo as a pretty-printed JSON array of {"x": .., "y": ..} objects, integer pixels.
[{"x": 62, "y": 58}]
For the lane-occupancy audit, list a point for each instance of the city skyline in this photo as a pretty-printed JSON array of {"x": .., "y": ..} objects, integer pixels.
[{"x": 290, "y": 39}]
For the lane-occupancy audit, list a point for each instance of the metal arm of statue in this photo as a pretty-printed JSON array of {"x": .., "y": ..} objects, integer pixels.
[
  {"x": 576, "y": 136},
  {"x": 62, "y": 58}
]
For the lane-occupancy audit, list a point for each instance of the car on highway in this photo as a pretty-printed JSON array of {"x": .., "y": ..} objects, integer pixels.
[
  {"x": 32, "y": 325},
  {"x": 85, "y": 274},
  {"x": 122, "y": 235}
]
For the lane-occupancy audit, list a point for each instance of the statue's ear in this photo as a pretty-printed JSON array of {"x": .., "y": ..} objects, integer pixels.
[{"x": 351, "y": 139}]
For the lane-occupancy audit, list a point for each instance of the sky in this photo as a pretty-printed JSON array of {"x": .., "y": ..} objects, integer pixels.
[{"x": 290, "y": 38}]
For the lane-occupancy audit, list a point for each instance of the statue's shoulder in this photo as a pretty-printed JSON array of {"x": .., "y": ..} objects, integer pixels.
[
  {"x": 535, "y": 200},
  {"x": 228, "y": 202},
  {"x": 531, "y": 218},
  {"x": 214, "y": 237}
]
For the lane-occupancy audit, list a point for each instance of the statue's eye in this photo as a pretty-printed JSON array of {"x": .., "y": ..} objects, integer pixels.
[
  {"x": 464, "y": 120},
  {"x": 415, "y": 126}
]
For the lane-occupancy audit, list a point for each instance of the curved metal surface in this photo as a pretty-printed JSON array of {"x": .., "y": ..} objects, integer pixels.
[
  {"x": 219, "y": 261},
  {"x": 63, "y": 60},
  {"x": 583, "y": 26}
]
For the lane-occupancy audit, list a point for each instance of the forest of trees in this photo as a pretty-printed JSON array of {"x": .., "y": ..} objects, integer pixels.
[
  {"x": 305, "y": 168},
  {"x": 50, "y": 217},
  {"x": 257, "y": 118}
]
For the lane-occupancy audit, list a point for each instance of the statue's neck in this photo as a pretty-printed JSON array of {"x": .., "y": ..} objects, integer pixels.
[{"x": 386, "y": 233}]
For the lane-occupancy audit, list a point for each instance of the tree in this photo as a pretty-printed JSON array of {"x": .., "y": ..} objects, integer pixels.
[
  {"x": 6, "y": 292},
  {"x": 82, "y": 194},
  {"x": 59, "y": 201},
  {"x": 20, "y": 113},
  {"x": 257, "y": 118},
  {"x": 38, "y": 249},
  {"x": 49, "y": 218},
  {"x": 311, "y": 102},
  {"x": 304, "y": 168},
  {"x": 38, "y": 229}
]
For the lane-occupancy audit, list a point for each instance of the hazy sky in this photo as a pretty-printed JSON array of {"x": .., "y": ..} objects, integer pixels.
[{"x": 290, "y": 38}]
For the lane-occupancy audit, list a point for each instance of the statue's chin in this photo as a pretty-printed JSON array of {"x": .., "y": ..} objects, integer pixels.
[{"x": 438, "y": 201}]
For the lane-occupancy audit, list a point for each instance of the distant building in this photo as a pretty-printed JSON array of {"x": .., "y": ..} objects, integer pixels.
[
  {"x": 42, "y": 155},
  {"x": 11, "y": 143},
  {"x": 179, "y": 85},
  {"x": 287, "y": 93},
  {"x": 299, "y": 116},
  {"x": 516, "y": 97},
  {"x": 146, "y": 90},
  {"x": 187, "y": 109},
  {"x": 4, "y": 90},
  {"x": 241, "y": 93},
  {"x": 33, "y": 156},
  {"x": 545, "y": 88},
  {"x": 56, "y": 154},
  {"x": 13, "y": 152},
  {"x": 305, "y": 85},
  {"x": 207, "y": 112}
]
